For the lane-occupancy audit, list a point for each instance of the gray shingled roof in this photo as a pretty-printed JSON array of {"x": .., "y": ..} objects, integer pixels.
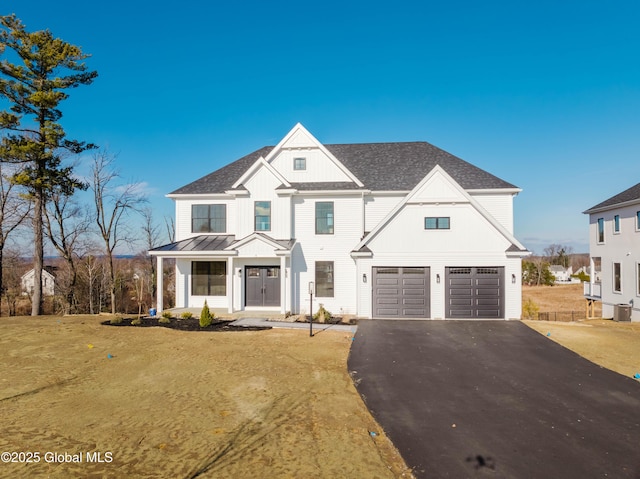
[
  {"x": 630, "y": 194},
  {"x": 380, "y": 166}
]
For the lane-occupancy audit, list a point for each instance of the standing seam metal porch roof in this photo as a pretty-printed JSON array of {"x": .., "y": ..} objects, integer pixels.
[
  {"x": 380, "y": 166},
  {"x": 203, "y": 243}
]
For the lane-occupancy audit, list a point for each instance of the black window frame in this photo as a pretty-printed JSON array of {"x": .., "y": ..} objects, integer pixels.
[
  {"x": 210, "y": 275},
  {"x": 617, "y": 277},
  {"x": 600, "y": 231},
  {"x": 325, "y": 279},
  {"x": 440, "y": 223},
  {"x": 211, "y": 221},
  {"x": 324, "y": 217}
]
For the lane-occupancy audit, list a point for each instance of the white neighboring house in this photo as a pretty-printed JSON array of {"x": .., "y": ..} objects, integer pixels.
[
  {"x": 48, "y": 282},
  {"x": 562, "y": 274},
  {"x": 614, "y": 248},
  {"x": 382, "y": 230}
]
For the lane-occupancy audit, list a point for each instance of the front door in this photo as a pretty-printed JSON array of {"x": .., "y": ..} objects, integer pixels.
[{"x": 262, "y": 286}]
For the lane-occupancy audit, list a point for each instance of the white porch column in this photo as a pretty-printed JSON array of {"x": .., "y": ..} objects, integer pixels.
[
  {"x": 283, "y": 284},
  {"x": 230, "y": 279},
  {"x": 159, "y": 287}
]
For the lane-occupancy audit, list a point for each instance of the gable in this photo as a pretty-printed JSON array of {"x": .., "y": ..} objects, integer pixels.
[
  {"x": 320, "y": 165},
  {"x": 439, "y": 195},
  {"x": 438, "y": 189}
]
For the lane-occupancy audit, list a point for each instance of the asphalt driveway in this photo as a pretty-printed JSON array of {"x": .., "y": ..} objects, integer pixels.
[{"x": 466, "y": 399}]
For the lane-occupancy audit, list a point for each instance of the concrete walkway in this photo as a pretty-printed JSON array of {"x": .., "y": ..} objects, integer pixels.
[{"x": 262, "y": 322}]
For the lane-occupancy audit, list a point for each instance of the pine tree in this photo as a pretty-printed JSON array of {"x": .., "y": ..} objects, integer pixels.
[{"x": 45, "y": 68}]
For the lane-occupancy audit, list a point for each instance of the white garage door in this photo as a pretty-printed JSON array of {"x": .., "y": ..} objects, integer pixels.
[
  {"x": 475, "y": 292},
  {"x": 401, "y": 292}
]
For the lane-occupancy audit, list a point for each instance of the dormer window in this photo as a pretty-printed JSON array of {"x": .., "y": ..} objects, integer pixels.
[{"x": 299, "y": 164}]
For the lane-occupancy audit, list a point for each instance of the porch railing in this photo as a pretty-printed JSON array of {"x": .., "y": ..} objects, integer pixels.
[{"x": 593, "y": 290}]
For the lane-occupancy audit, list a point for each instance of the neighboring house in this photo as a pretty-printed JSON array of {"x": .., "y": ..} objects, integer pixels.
[
  {"x": 382, "y": 230},
  {"x": 48, "y": 281},
  {"x": 614, "y": 247},
  {"x": 561, "y": 274}
]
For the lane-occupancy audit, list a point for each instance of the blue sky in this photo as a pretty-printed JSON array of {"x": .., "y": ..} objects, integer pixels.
[{"x": 545, "y": 95}]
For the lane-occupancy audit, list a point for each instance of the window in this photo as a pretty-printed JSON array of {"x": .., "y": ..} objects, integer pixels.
[
  {"x": 617, "y": 278},
  {"x": 638, "y": 279},
  {"x": 616, "y": 224},
  {"x": 299, "y": 164},
  {"x": 324, "y": 218},
  {"x": 441, "y": 223},
  {"x": 600, "y": 230},
  {"x": 209, "y": 278},
  {"x": 208, "y": 218},
  {"x": 324, "y": 279},
  {"x": 263, "y": 215},
  {"x": 638, "y": 220}
]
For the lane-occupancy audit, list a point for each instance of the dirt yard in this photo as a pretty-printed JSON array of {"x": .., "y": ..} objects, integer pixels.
[
  {"x": 155, "y": 402},
  {"x": 559, "y": 298},
  {"x": 610, "y": 344}
]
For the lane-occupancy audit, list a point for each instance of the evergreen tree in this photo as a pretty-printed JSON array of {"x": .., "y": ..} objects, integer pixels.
[{"x": 34, "y": 85}]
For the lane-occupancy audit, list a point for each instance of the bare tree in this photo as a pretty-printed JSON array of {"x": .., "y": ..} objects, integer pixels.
[
  {"x": 113, "y": 202},
  {"x": 13, "y": 211},
  {"x": 151, "y": 234},
  {"x": 67, "y": 226}
]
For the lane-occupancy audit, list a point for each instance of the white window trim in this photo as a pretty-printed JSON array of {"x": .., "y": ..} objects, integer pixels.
[{"x": 637, "y": 279}]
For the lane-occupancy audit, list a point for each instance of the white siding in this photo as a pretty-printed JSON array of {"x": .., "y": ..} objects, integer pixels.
[
  {"x": 499, "y": 206},
  {"x": 326, "y": 247},
  {"x": 623, "y": 248},
  {"x": 262, "y": 187},
  {"x": 319, "y": 166},
  {"x": 377, "y": 207},
  {"x": 471, "y": 241}
]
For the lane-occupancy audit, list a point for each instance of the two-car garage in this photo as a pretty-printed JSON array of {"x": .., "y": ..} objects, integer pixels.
[{"x": 470, "y": 292}]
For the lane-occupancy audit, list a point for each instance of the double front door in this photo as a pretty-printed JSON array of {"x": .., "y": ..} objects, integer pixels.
[{"x": 262, "y": 286}]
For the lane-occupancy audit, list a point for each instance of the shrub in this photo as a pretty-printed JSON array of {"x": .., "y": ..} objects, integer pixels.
[
  {"x": 167, "y": 314},
  {"x": 186, "y": 315},
  {"x": 206, "y": 317},
  {"x": 116, "y": 320},
  {"x": 530, "y": 309},
  {"x": 136, "y": 322},
  {"x": 322, "y": 315},
  {"x": 164, "y": 320}
]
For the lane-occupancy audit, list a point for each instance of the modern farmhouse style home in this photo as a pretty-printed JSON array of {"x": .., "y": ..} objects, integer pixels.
[
  {"x": 375, "y": 230},
  {"x": 614, "y": 248}
]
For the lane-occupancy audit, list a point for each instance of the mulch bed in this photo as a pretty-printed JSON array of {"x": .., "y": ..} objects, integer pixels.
[{"x": 191, "y": 324}]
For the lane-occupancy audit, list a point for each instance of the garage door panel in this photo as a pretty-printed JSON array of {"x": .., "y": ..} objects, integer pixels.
[
  {"x": 388, "y": 300},
  {"x": 475, "y": 292},
  {"x": 410, "y": 294}
]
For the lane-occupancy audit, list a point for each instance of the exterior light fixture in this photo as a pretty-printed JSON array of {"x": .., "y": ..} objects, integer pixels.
[
  {"x": 438, "y": 278},
  {"x": 364, "y": 277},
  {"x": 513, "y": 278}
]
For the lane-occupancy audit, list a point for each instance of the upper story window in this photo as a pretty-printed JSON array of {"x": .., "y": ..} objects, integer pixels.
[
  {"x": 437, "y": 223},
  {"x": 600, "y": 230},
  {"x": 262, "y": 211},
  {"x": 299, "y": 164},
  {"x": 209, "y": 218},
  {"x": 324, "y": 218},
  {"x": 616, "y": 224},
  {"x": 638, "y": 220}
]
